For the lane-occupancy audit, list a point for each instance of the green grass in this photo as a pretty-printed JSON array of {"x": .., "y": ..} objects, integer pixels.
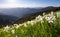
[{"x": 34, "y": 28}]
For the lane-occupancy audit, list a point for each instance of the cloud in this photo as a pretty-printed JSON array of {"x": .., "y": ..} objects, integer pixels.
[
  {"x": 11, "y": 1},
  {"x": 20, "y": 5},
  {"x": 25, "y": 3},
  {"x": 8, "y": 4}
]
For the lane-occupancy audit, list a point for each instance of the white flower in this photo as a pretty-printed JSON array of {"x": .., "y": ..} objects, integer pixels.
[
  {"x": 53, "y": 18},
  {"x": 15, "y": 24},
  {"x": 50, "y": 21},
  {"x": 13, "y": 31},
  {"x": 28, "y": 22},
  {"x": 47, "y": 18},
  {"x": 39, "y": 17},
  {"x": 37, "y": 20},
  {"x": 25, "y": 25},
  {"x": 43, "y": 13},
  {"x": 6, "y": 28},
  {"x": 32, "y": 23},
  {"x": 20, "y": 24}
]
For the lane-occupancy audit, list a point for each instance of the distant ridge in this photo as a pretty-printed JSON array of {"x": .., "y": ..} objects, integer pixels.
[
  {"x": 20, "y": 15},
  {"x": 33, "y": 15}
]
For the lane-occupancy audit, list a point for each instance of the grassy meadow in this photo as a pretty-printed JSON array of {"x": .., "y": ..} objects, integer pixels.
[{"x": 42, "y": 26}]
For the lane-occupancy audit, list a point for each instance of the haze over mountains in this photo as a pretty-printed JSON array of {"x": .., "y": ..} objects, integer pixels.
[
  {"x": 19, "y": 12},
  {"x": 13, "y": 14}
]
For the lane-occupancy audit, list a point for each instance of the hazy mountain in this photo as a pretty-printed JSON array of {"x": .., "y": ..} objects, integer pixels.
[
  {"x": 31, "y": 16},
  {"x": 19, "y": 12},
  {"x": 9, "y": 15},
  {"x": 7, "y": 19}
]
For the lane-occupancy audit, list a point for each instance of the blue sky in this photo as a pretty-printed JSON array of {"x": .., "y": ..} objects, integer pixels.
[{"x": 28, "y": 3}]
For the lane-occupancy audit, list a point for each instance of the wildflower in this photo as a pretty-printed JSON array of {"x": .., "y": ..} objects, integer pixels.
[
  {"x": 47, "y": 18},
  {"x": 13, "y": 31},
  {"x": 50, "y": 21},
  {"x": 28, "y": 22},
  {"x": 43, "y": 13},
  {"x": 25, "y": 25},
  {"x": 53, "y": 18},
  {"x": 15, "y": 24},
  {"x": 6, "y": 28},
  {"x": 32, "y": 23},
  {"x": 20, "y": 24},
  {"x": 39, "y": 18}
]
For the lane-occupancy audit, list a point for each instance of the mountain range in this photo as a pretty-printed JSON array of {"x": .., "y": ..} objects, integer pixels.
[{"x": 9, "y": 15}]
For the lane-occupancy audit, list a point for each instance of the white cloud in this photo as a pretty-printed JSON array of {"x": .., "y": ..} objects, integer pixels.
[
  {"x": 11, "y": 1},
  {"x": 20, "y": 5},
  {"x": 13, "y": 4}
]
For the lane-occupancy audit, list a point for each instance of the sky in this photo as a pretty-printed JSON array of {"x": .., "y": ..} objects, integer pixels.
[{"x": 28, "y": 3}]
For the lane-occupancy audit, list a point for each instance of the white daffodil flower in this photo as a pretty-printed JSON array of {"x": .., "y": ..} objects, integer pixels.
[{"x": 6, "y": 28}]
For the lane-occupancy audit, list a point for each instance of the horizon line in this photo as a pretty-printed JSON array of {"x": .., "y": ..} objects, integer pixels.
[{"x": 28, "y": 7}]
